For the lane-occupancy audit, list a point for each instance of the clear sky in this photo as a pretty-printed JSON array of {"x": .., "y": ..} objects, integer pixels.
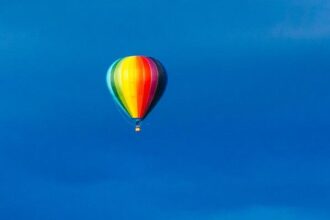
[{"x": 242, "y": 131}]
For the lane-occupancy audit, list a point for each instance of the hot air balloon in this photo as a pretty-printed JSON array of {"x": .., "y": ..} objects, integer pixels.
[{"x": 136, "y": 83}]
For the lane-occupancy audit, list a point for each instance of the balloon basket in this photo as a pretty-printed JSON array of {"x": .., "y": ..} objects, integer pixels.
[{"x": 137, "y": 125}]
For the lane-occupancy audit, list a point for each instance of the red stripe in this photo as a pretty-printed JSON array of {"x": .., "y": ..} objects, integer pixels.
[{"x": 146, "y": 85}]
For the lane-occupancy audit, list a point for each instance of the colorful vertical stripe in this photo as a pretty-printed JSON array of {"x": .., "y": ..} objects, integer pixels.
[{"x": 133, "y": 82}]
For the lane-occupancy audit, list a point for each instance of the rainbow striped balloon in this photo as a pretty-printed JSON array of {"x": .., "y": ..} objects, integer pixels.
[{"x": 136, "y": 83}]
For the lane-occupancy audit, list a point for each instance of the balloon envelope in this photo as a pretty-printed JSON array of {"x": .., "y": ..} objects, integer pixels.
[{"x": 136, "y": 83}]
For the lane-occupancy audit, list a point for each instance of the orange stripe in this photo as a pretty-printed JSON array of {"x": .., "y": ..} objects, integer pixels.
[{"x": 139, "y": 84}]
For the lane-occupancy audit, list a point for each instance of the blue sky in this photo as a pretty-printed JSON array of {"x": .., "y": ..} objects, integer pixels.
[{"x": 242, "y": 131}]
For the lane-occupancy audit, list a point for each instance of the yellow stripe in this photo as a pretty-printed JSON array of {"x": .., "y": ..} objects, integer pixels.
[
  {"x": 118, "y": 77},
  {"x": 129, "y": 84}
]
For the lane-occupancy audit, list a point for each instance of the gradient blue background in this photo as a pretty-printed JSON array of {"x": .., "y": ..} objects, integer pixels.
[{"x": 242, "y": 131}]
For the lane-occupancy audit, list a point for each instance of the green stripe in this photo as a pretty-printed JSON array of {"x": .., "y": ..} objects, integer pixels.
[{"x": 116, "y": 90}]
